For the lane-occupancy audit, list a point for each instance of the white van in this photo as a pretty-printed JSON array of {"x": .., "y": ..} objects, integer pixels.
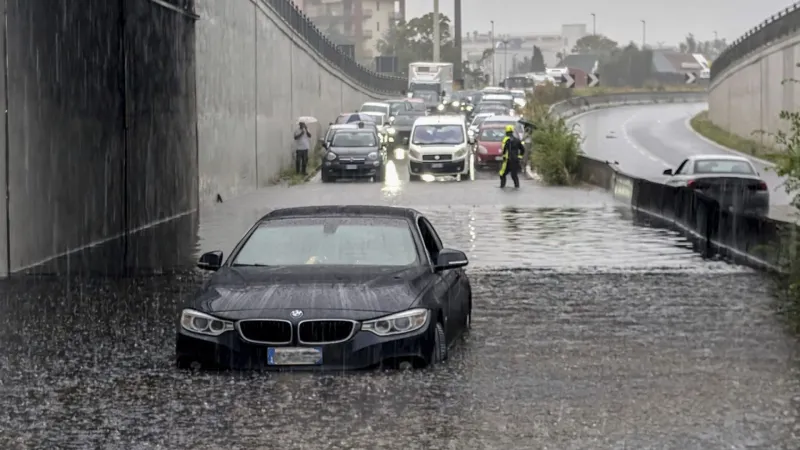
[{"x": 439, "y": 145}]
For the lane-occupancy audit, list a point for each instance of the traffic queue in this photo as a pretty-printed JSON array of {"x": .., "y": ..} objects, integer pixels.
[{"x": 457, "y": 133}]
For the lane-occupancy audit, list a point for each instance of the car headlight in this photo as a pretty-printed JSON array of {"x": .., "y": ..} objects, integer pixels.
[
  {"x": 460, "y": 153},
  {"x": 456, "y": 104},
  {"x": 469, "y": 107},
  {"x": 200, "y": 323},
  {"x": 330, "y": 156},
  {"x": 440, "y": 108},
  {"x": 391, "y": 139},
  {"x": 391, "y": 131},
  {"x": 404, "y": 322},
  {"x": 391, "y": 119},
  {"x": 482, "y": 150},
  {"x": 414, "y": 154},
  {"x": 373, "y": 156}
]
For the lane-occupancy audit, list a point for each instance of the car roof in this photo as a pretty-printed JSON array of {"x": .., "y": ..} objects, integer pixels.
[
  {"x": 720, "y": 156},
  {"x": 375, "y": 104},
  {"x": 496, "y": 96},
  {"x": 368, "y": 126},
  {"x": 496, "y": 118},
  {"x": 440, "y": 120},
  {"x": 342, "y": 210}
]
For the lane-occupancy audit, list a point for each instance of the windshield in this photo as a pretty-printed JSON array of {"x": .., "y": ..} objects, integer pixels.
[
  {"x": 374, "y": 108},
  {"x": 428, "y": 96},
  {"x": 330, "y": 241},
  {"x": 406, "y": 119},
  {"x": 417, "y": 106},
  {"x": 479, "y": 120},
  {"x": 492, "y": 107},
  {"x": 379, "y": 119},
  {"x": 493, "y": 134},
  {"x": 508, "y": 102},
  {"x": 354, "y": 139},
  {"x": 438, "y": 135},
  {"x": 723, "y": 166},
  {"x": 518, "y": 94},
  {"x": 518, "y": 82},
  {"x": 430, "y": 87}
]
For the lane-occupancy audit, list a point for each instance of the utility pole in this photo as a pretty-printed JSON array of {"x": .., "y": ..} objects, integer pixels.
[
  {"x": 644, "y": 33},
  {"x": 505, "y": 59},
  {"x": 458, "y": 75},
  {"x": 594, "y": 24},
  {"x": 491, "y": 37},
  {"x": 437, "y": 44}
]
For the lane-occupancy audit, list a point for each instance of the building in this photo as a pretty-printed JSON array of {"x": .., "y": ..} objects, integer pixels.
[{"x": 361, "y": 23}]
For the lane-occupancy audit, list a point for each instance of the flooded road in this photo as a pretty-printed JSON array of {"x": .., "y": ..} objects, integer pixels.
[{"x": 588, "y": 333}]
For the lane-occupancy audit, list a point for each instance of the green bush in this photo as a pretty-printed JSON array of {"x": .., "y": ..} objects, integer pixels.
[
  {"x": 555, "y": 155},
  {"x": 547, "y": 94}
]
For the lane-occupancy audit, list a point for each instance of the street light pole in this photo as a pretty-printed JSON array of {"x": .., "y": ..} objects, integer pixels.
[
  {"x": 644, "y": 33},
  {"x": 436, "y": 34},
  {"x": 491, "y": 37},
  {"x": 594, "y": 24},
  {"x": 505, "y": 59}
]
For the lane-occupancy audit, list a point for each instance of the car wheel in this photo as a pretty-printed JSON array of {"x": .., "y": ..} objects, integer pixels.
[
  {"x": 379, "y": 176},
  {"x": 439, "y": 344}
]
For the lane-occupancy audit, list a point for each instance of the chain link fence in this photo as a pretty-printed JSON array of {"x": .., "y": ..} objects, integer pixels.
[
  {"x": 331, "y": 52},
  {"x": 776, "y": 27}
]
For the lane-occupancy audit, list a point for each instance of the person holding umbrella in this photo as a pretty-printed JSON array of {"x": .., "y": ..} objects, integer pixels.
[{"x": 302, "y": 143}]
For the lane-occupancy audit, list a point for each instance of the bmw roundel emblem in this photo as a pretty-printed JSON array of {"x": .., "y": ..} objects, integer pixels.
[{"x": 297, "y": 313}]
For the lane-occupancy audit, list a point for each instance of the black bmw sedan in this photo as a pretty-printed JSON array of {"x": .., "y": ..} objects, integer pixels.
[{"x": 329, "y": 288}]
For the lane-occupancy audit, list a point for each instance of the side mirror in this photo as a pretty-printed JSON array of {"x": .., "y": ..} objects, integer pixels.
[
  {"x": 668, "y": 172},
  {"x": 210, "y": 261},
  {"x": 405, "y": 141},
  {"x": 450, "y": 259}
]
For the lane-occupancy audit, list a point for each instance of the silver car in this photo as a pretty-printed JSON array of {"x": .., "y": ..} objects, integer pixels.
[{"x": 731, "y": 180}]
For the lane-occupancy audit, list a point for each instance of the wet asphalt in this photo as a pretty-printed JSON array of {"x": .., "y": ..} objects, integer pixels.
[{"x": 589, "y": 333}]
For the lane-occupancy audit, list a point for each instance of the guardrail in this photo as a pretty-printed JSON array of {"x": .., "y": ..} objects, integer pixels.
[
  {"x": 759, "y": 242},
  {"x": 776, "y": 27},
  {"x": 578, "y": 105},
  {"x": 300, "y": 23}
]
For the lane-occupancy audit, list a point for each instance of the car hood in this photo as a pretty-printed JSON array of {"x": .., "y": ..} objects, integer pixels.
[
  {"x": 354, "y": 151},
  {"x": 247, "y": 292}
]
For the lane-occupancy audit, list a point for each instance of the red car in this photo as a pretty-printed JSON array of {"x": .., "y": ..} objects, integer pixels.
[{"x": 487, "y": 143}]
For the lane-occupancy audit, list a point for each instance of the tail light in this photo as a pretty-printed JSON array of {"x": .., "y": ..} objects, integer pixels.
[
  {"x": 691, "y": 184},
  {"x": 762, "y": 186}
]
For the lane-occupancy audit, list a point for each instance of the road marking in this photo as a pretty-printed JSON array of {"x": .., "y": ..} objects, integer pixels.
[{"x": 632, "y": 142}]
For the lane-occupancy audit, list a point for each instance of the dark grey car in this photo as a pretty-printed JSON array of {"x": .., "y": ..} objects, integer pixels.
[
  {"x": 353, "y": 153},
  {"x": 731, "y": 180}
]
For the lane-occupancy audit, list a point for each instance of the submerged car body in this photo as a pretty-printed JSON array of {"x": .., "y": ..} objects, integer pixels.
[
  {"x": 733, "y": 181},
  {"x": 329, "y": 288}
]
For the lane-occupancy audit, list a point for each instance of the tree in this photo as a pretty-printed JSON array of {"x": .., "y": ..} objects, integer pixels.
[
  {"x": 594, "y": 43},
  {"x": 537, "y": 61},
  {"x": 413, "y": 41},
  {"x": 689, "y": 45}
]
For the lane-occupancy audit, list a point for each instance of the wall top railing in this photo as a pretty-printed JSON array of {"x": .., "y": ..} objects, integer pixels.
[
  {"x": 299, "y": 22},
  {"x": 776, "y": 27}
]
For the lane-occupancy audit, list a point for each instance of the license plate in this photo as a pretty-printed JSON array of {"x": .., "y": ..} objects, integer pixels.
[
  {"x": 294, "y": 356},
  {"x": 498, "y": 158},
  {"x": 351, "y": 167},
  {"x": 437, "y": 166}
]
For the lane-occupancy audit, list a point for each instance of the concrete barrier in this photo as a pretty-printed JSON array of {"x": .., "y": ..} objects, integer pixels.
[
  {"x": 256, "y": 76},
  {"x": 579, "y": 105}
]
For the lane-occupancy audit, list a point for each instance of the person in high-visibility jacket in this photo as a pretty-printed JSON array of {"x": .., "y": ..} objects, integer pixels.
[{"x": 513, "y": 152}]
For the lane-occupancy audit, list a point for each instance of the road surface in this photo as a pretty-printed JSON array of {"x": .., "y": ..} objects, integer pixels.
[
  {"x": 589, "y": 333},
  {"x": 647, "y": 139}
]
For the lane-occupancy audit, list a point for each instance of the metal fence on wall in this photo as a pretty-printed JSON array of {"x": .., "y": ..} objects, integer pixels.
[
  {"x": 330, "y": 51},
  {"x": 776, "y": 27}
]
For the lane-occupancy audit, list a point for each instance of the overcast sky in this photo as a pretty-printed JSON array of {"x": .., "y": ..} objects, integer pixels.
[{"x": 668, "y": 21}]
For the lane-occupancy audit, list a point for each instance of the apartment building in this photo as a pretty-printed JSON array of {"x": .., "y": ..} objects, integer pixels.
[{"x": 361, "y": 23}]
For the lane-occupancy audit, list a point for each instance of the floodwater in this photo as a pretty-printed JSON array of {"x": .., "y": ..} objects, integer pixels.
[{"x": 588, "y": 333}]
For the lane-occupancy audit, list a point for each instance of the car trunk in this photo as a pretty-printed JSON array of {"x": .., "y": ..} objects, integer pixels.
[{"x": 732, "y": 191}]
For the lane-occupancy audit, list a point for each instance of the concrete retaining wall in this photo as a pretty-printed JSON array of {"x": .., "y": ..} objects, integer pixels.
[
  {"x": 255, "y": 78},
  {"x": 100, "y": 138},
  {"x": 749, "y": 95}
]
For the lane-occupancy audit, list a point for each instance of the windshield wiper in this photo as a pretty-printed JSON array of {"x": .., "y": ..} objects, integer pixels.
[{"x": 251, "y": 265}]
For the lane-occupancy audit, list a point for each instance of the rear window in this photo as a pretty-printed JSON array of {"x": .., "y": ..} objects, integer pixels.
[
  {"x": 330, "y": 241},
  {"x": 492, "y": 134},
  {"x": 374, "y": 108},
  {"x": 711, "y": 166},
  {"x": 354, "y": 139}
]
